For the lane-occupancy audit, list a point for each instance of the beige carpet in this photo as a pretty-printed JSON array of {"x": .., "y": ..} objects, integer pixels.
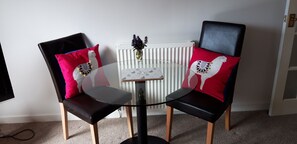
[{"x": 247, "y": 128}]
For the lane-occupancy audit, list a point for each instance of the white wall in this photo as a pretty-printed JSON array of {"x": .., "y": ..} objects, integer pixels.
[{"x": 24, "y": 24}]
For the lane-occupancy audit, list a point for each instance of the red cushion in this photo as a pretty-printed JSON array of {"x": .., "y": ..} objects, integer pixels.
[
  {"x": 212, "y": 71},
  {"x": 76, "y": 65}
]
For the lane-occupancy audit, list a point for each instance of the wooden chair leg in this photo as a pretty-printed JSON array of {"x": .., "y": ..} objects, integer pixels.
[
  {"x": 64, "y": 121},
  {"x": 129, "y": 121},
  {"x": 169, "y": 123},
  {"x": 209, "y": 135},
  {"x": 227, "y": 118},
  {"x": 94, "y": 133}
]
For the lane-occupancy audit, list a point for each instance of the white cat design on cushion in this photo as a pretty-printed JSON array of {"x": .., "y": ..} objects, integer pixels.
[
  {"x": 84, "y": 69},
  {"x": 206, "y": 69}
]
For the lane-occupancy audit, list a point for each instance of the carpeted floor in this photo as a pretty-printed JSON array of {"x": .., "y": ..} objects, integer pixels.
[{"x": 246, "y": 128}]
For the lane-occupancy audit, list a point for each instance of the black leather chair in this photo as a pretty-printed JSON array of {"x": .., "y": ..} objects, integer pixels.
[
  {"x": 225, "y": 38},
  {"x": 82, "y": 105},
  {"x": 6, "y": 91}
]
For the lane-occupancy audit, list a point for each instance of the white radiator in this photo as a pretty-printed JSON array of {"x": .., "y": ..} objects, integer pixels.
[{"x": 179, "y": 53}]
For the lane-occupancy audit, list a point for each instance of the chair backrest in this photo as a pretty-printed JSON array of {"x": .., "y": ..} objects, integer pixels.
[
  {"x": 60, "y": 46},
  {"x": 222, "y": 37},
  {"x": 6, "y": 91},
  {"x": 225, "y": 38}
]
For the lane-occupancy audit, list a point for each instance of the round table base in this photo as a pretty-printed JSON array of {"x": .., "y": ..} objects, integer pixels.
[{"x": 150, "y": 139}]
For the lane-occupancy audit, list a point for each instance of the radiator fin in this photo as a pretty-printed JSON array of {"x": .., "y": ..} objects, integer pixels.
[{"x": 179, "y": 53}]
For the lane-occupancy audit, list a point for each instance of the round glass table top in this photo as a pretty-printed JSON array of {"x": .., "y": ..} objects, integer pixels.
[{"x": 127, "y": 82}]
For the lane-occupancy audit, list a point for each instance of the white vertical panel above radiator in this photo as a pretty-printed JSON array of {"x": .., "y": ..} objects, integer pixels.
[{"x": 179, "y": 53}]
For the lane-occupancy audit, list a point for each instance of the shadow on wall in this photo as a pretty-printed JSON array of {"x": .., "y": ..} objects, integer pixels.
[
  {"x": 106, "y": 53},
  {"x": 260, "y": 49}
]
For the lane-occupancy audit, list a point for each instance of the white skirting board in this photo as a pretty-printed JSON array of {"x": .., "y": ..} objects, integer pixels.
[{"x": 236, "y": 107}]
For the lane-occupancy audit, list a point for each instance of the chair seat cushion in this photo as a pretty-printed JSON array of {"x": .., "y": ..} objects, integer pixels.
[
  {"x": 198, "y": 104},
  {"x": 88, "y": 109}
]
